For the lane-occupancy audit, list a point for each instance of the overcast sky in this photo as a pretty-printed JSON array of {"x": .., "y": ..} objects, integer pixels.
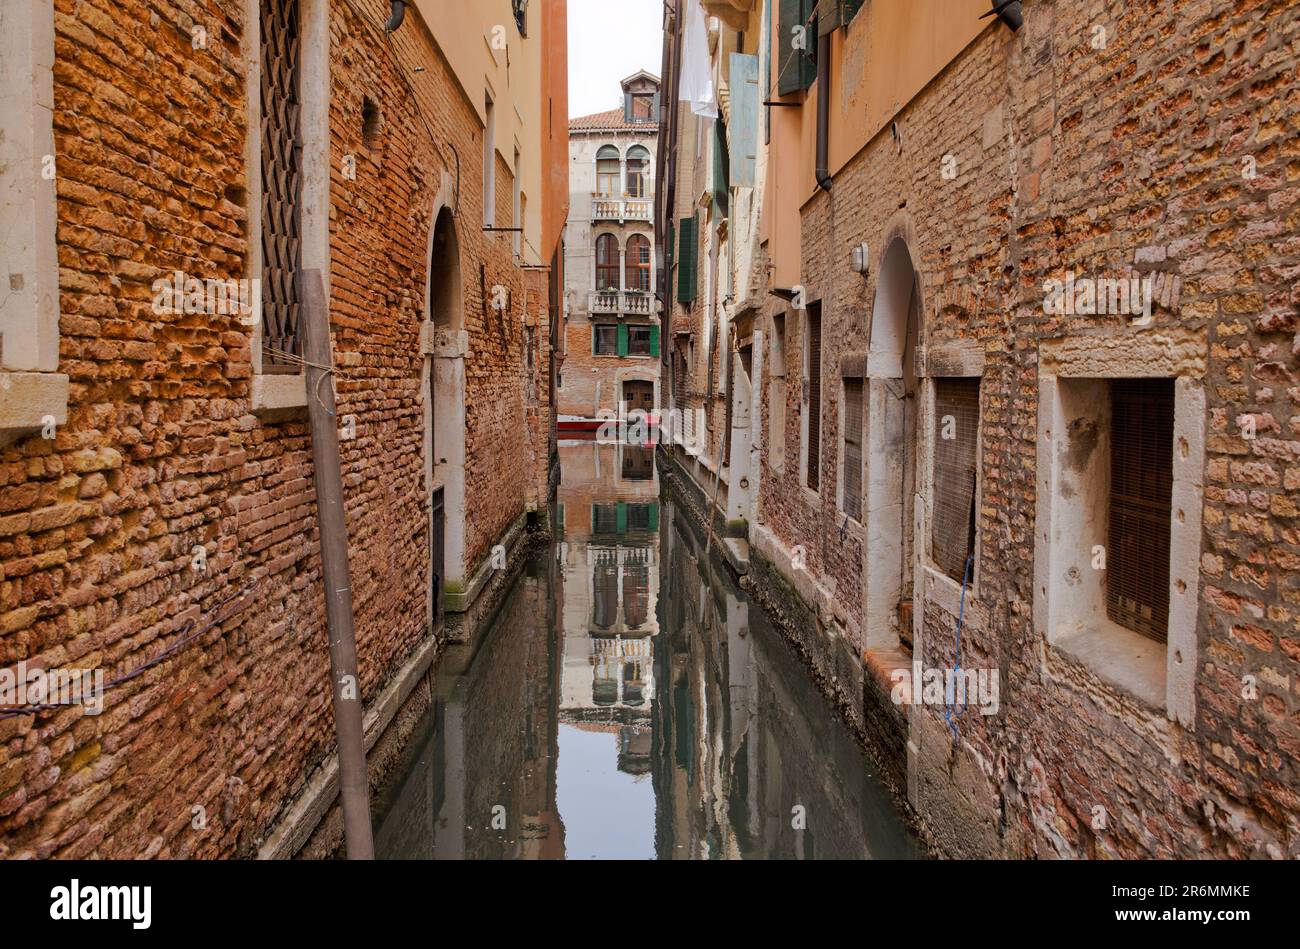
[{"x": 609, "y": 40}]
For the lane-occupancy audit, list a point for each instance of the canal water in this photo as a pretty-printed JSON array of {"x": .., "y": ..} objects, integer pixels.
[{"x": 630, "y": 702}]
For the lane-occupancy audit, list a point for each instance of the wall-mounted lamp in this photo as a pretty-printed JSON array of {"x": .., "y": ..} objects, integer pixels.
[
  {"x": 862, "y": 259},
  {"x": 1009, "y": 12}
]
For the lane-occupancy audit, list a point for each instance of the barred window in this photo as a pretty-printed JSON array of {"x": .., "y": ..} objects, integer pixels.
[
  {"x": 281, "y": 53},
  {"x": 1141, "y": 498},
  {"x": 853, "y": 399},
  {"x": 956, "y": 440}
]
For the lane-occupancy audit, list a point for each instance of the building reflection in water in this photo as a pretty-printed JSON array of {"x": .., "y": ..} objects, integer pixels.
[{"x": 628, "y": 702}]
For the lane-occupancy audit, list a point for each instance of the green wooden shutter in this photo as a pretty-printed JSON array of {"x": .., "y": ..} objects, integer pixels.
[
  {"x": 654, "y": 341},
  {"x": 653, "y": 522},
  {"x": 721, "y": 169},
  {"x": 622, "y": 517},
  {"x": 795, "y": 67},
  {"x": 622, "y": 339},
  {"x": 686, "y": 253}
]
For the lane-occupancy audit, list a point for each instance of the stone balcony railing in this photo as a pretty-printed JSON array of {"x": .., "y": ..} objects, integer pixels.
[
  {"x": 621, "y": 209},
  {"x": 626, "y": 303}
]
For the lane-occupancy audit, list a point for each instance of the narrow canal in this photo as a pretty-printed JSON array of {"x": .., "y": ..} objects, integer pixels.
[{"x": 629, "y": 702}]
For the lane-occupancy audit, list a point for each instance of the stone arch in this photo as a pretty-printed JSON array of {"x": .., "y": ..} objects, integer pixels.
[
  {"x": 444, "y": 345},
  {"x": 894, "y": 450}
]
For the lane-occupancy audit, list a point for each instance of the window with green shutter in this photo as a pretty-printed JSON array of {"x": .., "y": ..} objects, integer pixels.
[
  {"x": 686, "y": 254},
  {"x": 654, "y": 341},
  {"x": 721, "y": 169},
  {"x": 797, "y": 46},
  {"x": 622, "y": 339},
  {"x": 832, "y": 14}
]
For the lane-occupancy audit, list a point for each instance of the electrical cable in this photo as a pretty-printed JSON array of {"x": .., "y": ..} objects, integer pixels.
[{"x": 187, "y": 637}]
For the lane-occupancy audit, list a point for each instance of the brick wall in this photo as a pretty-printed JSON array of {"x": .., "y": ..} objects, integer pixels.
[
  {"x": 162, "y": 453},
  {"x": 1124, "y": 158}
]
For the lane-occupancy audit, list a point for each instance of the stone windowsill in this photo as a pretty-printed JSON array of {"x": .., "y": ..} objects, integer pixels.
[
  {"x": 945, "y": 592},
  {"x": 279, "y": 396},
  {"x": 1129, "y": 661},
  {"x": 28, "y": 400}
]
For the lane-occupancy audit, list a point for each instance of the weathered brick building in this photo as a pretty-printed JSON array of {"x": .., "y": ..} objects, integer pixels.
[
  {"x": 1029, "y": 401},
  {"x": 157, "y": 512}
]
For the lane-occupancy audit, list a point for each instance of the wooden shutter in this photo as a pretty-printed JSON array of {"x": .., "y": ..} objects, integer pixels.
[
  {"x": 721, "y": 169},
  {"x": 654, "y": 341},
  {"x": 281, "y": 53},
  {"x": 956, "y": 441},
  {"x": 766, "y": 47},
  {"x": 853, "y": 426},
  {"x": 667, "y": 259},
  {"x": 796, "y": 68},
  {"x": 745, "y": 106},
  {"x": 686, "y": 257},
  {"x": 814, "y": 344},
  {"x": 622, "y": 339},
  {"x": 1141, "y": 499}
]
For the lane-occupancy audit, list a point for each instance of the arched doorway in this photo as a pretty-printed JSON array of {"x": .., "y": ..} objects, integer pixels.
[
  {"x": 893, "y": 449},
  {"x": 444, "y": 350}
]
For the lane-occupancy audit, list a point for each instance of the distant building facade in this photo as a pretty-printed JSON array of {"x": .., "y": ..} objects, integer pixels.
[{"x": 612, "y": 339}]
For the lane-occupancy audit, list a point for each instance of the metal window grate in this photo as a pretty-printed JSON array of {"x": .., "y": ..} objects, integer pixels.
[
  {"x": 1141, "y": 497},
  {"x": 956, "y": 441},
  {"x": 281, "y": 184},
  {"x": 814, "y": 396},
  {"x": 853, "y": 398}
]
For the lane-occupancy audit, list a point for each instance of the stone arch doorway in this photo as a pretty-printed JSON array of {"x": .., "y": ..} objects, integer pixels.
[
  {"x": 444, "y": 344},
  {"x": 894, "y": 449}
]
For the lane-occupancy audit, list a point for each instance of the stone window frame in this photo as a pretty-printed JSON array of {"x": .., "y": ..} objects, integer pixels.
[
  {"x": 1104, "y": 648},
  {"x": 954, "y": 359},
  {"x": 805, "y": 377},
  {"x": 33, "y": 393},
  {"x": 776, "y": 373},
  {"x": 278, "y": 394}
]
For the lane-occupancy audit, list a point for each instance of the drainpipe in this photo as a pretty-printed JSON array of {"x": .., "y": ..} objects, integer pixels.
[
  {"x": 823, "y": 111},
  {"x": 398, "y": 15},
  {"x": 354, "y": 783}
]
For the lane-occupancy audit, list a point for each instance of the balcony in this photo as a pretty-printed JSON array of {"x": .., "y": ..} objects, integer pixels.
[
  {"x": 620, "y": 302},
  {"x": 605, "y": 208}
]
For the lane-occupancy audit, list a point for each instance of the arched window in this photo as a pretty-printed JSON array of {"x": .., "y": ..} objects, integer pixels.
[
  {"x": 608, "y": 172},
  {"x": 607, "y": 276},
  {"x": 638, "y": 172},
  {"x": 638, "y": 262}
]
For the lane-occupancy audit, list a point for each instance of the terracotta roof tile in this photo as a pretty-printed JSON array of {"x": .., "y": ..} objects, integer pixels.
[{"x": 611, "y": 120}]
